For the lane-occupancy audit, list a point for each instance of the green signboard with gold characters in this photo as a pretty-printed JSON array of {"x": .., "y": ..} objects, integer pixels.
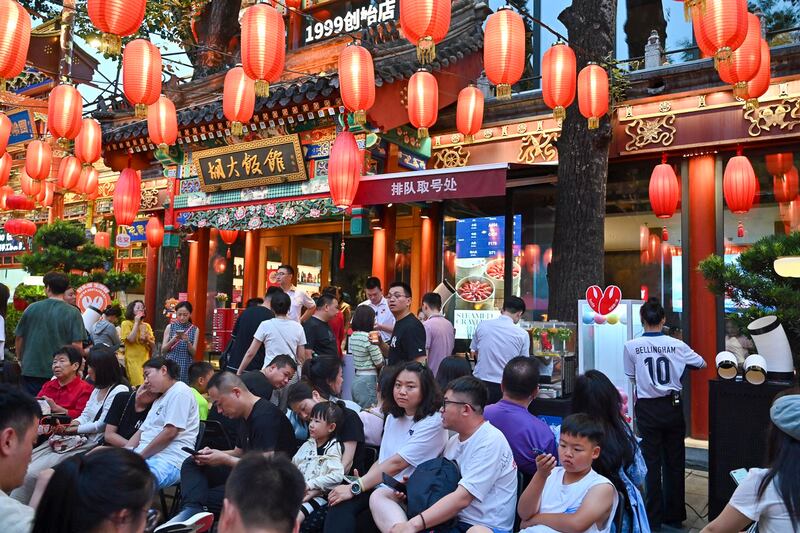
[{"x": 253, "y": 164}]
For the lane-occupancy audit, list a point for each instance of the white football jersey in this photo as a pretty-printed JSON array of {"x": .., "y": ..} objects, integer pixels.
[{"x": 657, "y": 362}]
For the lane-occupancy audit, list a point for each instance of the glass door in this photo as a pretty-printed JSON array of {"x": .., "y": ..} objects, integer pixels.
[
  {"x": 312, "y": 263},
  {"x": 274, "y": 252}
]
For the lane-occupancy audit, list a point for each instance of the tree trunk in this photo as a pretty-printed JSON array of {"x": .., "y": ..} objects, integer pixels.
[{"x": 578, "y": 238}]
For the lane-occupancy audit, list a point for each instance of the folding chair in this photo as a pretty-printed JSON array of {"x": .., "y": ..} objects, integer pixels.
[{"x": 176, "y": 497}]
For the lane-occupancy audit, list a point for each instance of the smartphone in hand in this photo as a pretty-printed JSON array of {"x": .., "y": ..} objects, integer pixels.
[
  {"x": 392, "y": 483},
  {"x": 189, "y": 450}
]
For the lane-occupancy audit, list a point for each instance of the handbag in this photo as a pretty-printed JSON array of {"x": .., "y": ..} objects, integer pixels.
[{"x": 66, "y": 443}]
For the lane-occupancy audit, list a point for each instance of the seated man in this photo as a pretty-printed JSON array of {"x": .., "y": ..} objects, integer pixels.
[
  {"x": 276, "y": 375},
  {"x": 263, "y": 495},
  {"x": 19, "y": 420},
  {"x": 526, "y": 434},
  {"x": 572, "y": 497},
  {"x": 487, "y": 490},
  {"x": 127, "y": 413},
  {"x": 68, "y": 393},
  {"x": 262, "y": 427},
  {"x": 200, "y": 372},
  {"x": 171, "y": 425}
]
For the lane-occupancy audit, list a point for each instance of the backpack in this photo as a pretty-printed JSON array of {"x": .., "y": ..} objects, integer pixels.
[{"x": 431, "y": 481}]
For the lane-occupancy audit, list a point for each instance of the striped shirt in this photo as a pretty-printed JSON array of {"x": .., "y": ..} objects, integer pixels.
[{"x": 365, "y": 354}]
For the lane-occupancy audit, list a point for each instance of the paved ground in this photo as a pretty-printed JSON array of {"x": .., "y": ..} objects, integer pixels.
[{"x": 696, "y": 500}]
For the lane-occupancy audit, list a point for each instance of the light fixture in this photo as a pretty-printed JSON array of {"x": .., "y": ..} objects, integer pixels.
[
  {"x": 771, "y": 341},
  {"x": 755, "y": 369},
  {"x": 424, "y": 214},
  {"x": 390, "y": 204},
  {"x": 727, "y": 365},
  {"x": 787, "y": 267}
]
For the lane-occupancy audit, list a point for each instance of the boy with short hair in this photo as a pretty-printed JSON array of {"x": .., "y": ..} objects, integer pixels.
[
  {"x": 571, "y": 497},
  {"x": 200, "y": 372}
]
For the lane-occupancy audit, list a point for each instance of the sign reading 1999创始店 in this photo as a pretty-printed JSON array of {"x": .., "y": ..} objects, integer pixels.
[{"x": 253, "y": 164}]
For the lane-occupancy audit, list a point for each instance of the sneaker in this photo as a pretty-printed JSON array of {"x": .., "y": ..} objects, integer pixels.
[{"x": 188, "y": 521}]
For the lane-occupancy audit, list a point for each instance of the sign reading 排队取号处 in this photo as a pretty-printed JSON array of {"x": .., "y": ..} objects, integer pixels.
[
  {"x": 253, "y": 164},
  {"x": 346, "y": 18}
]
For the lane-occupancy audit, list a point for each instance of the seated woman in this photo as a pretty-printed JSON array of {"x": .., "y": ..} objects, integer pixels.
[
  {"x": 126, "y": 415},
  {"x": 106, "y": 373},
  {"x": 413, "y": 435},
  {"x": 67, "y": 394},
  {"x": 109, "y": 490}
]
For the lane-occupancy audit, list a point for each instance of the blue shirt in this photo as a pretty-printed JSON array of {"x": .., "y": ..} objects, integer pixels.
[{"x": 523, "y": 431}]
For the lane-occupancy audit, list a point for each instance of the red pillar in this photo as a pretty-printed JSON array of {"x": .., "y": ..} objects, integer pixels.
[
  {"x": 379, "y": 254},
  {"x": 151, "y": 279},
  {"x": 251, "y": 266},
  {"x": 197, "y": 287},
  {"x": 389, "y": 224},
  {"x": 702, "y": 303}
]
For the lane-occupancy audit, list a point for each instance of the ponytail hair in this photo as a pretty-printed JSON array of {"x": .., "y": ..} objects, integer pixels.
[
  {"x": 87, "y": 490},
  {"x": 652, "y": 312},
  {"x": 320, "y": 372}
]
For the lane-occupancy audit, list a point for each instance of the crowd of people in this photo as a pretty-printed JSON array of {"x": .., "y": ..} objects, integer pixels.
[{"x": 422, "y": 442}]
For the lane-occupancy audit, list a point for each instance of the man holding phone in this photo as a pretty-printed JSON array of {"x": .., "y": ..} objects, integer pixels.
[{"x": 262, "y": 428}]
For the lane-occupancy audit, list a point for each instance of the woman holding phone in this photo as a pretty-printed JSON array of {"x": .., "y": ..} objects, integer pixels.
[
  {"x": 139, "y": 341},
  {"x": 180, "y": 339}
]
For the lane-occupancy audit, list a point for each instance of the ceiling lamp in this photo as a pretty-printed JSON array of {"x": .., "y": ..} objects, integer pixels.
[
  {"x": 64, "y": 113},
  {"x": 745, "y": 60},
  {"x": 558, "y": 79},
  {"x": 344, "y": 169},
  {"x": 162, "y": 123},
  {"x": 739, "y": 186},
  {"x": 664, "y": 192},
  {"x": 720, "y": 28},
  {"x": 116, "y": 19},
  {"x": 154, "y": 231},
  {"x": 127, "y": 196},
  {"x": 38, "y": 159},
  {"x": 89, "y": 142},
  {"x": 593, "y": 93},
  {"x": 758, "y": 86},
  {"x": 141, "y": 75},
  {"x": 504, "y": 50},
  {"x": 425, "y": 23},
  {"x": 15, "y": 36},
  {"x": 69, "y": 173},
  {"x": 357, "y": 81},
  {"x": 238, "y": 99},
  {"x": 263, "y": 45},
  {"x": 469, "y": 112},
  {"x": 423, "y": 101}
]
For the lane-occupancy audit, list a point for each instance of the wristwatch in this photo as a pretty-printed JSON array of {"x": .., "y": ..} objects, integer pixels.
[{"x": 355, "y": 488}]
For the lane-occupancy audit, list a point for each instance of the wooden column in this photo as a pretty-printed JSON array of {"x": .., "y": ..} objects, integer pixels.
[
  {"x": 431, "y": 226},
  {"x": 702, "y": 303},
  {"x": 198, "y": 285},
  {"x": 389, "y": 224},
  {"x": 251, "y": 266},
  {"x": 379, "y": 255},
  {"x": 416, "y": 259}
]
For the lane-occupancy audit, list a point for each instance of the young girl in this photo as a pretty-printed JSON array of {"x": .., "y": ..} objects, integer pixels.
[{"x": 320, "y": 459}]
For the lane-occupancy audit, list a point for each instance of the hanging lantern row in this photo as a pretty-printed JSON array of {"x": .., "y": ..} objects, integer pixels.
[
  {"x": 739, "y": 186},
  {"x": 558, "y": 79},
  {"x": 162, "y": 123},
  {"x": 154, "y": 231},
  {"x": 720, "y": 27},
  {"x": 64, "y": 113},
  {"x": 469, "y": 112},
  {"x": 88, "y": 143},
  {"x": 238, "y": 99},
  {"x": 664, "y": 192},
  {"x": 127, "y": 196},
  {"x": 15, "y": 38},
  {"x": 425, "y": 24},
  {"x": 504, "y": 50},
  {"x": 423, "y": 101},
  {"x": 357, "y": 81},
  {"x": 116, "y": 19},
  {"x": 744, "y": 61},
  {"x": 593, "y": 93},
  {"x": 38, "y": 160},
  {"x": 345, "y": 167},
  {"x": 263, "y": 45},
  {"x": 141, "y": 75},
  {"x": 759, "y": 85}
]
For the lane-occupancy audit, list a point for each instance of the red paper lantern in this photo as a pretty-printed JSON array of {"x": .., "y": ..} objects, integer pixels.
[
  {"x": 5, "y": 168},
  {"x": 102, "y": 239},
  {"x": 64, "y": 112},
  {"x": 423, "y": 101},
  {"x": 739, "y": 184},
  {"x": 664, "y": 190},
  {"x": 229, "y": 236},
  {"x": 504, "y": 50},
  {"x": 593, "y": 93},
  {"x": 141, "y": 74},
  {"x": 780, "y": 163},
  {"x": 5, "y": 131},
  {"x": 89, "y": 181},
  {"x": 238, "y": 99},
  {"x": 5, "y": 192},
  {"x": 558, "y": 79},
  {"x": 116, "y": 18},
  {"x": 721, "y": 27},
  {"x": 162, "y": 123},
  {"x": 530, "y": 257},
  {"x": 154, "y": 230},
  {"x": 89, "y": 142},
  {"x": 745, "y": 60},
  {"x": 263, "y": 45},
  {"x": 69, "y": 173},
  {"x": 38, "y": 159},
  {"x": 20, "y": 227},
  {"x": 344, "y": 169},
  {"x": 29, "y": 186},
  {"x": 127, "y": 196},
  {"x": 758, "y": 86},
  {"x": 19, "y": 202},
  {"x": 425, "y": 23},
  {"x": 785, "y": 186},
  {"x": 357, "y": 81},
  {"x": 294, "y": 4},
  {"x": 15, "y": 36},
  {"x": 469, "y": 112},
  {"x": 45, "y": 197}
]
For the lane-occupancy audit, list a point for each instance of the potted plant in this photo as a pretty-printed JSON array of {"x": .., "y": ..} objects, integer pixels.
[{"x": 221, "y": 298}]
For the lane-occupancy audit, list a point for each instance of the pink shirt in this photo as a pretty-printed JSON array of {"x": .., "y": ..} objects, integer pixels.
[{"x": 440, "y": 338}]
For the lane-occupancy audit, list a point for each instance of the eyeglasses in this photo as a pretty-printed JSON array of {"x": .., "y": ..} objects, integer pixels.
[
  {"x": 395, "y": 295},
  {"x": 446, "y": 402},
  {"x": 151, "y": 522}
]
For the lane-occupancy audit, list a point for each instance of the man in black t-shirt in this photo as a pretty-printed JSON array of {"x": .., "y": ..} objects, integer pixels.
[
  {"x": 320, "y": 339},
  {"x": 244, "y": 330},
  {"x": 262, "y": 428},
  {"x": 276, "y": 375},
  {"x": 126, "y": 414},
  {"x": 408, "y": 337}
]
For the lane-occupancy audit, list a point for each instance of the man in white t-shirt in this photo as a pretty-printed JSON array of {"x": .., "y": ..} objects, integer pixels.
[
  {"x": 384, "y": 319},
  {"x": 487, "y": 492},
  {"x": 300, "y": 299},
  {"x": 279, "y": 335},
  {"x": 172, "y": 423}
]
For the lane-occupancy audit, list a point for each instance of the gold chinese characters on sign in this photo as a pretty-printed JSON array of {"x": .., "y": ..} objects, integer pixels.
[{"x": 254, "y": 164}]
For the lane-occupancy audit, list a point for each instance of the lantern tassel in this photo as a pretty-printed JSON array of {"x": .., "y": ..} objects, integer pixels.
[
  {"x": 341, "y": 256},
  {"x": 723, "y": 55},
  {"x": 664, "y": 234},
  {"x": 360, "y": 117},
  {"x": 228, "y": 255},
  {"x": 110, "y": 44},
  {"x": 178, "y": 261},
  {"x": 740, "y": 91},
  {"x": 140, "y": 111},
  {"x": 503, "y": 91},
  {"x": 594, "y": 123},
  {"x": 262, "y": 88},
  {"x": 559, "y": 113},
  {"x": 426, "y": 50},
  {"x": 237, "y": 128},
  {"x": 64, "y": 143},
  {"x": 469, "y": 138},
  {"x": 422, "y": 133},
  {"x": 752, "y": 103},
  {"x": 740, "y": 230}
]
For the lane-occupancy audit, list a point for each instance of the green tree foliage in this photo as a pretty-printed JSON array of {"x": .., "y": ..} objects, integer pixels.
[{"x": 752, "y": 283}]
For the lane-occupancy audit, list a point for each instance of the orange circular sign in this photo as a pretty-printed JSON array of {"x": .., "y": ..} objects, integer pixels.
[{"x": 94, "y": 295}]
